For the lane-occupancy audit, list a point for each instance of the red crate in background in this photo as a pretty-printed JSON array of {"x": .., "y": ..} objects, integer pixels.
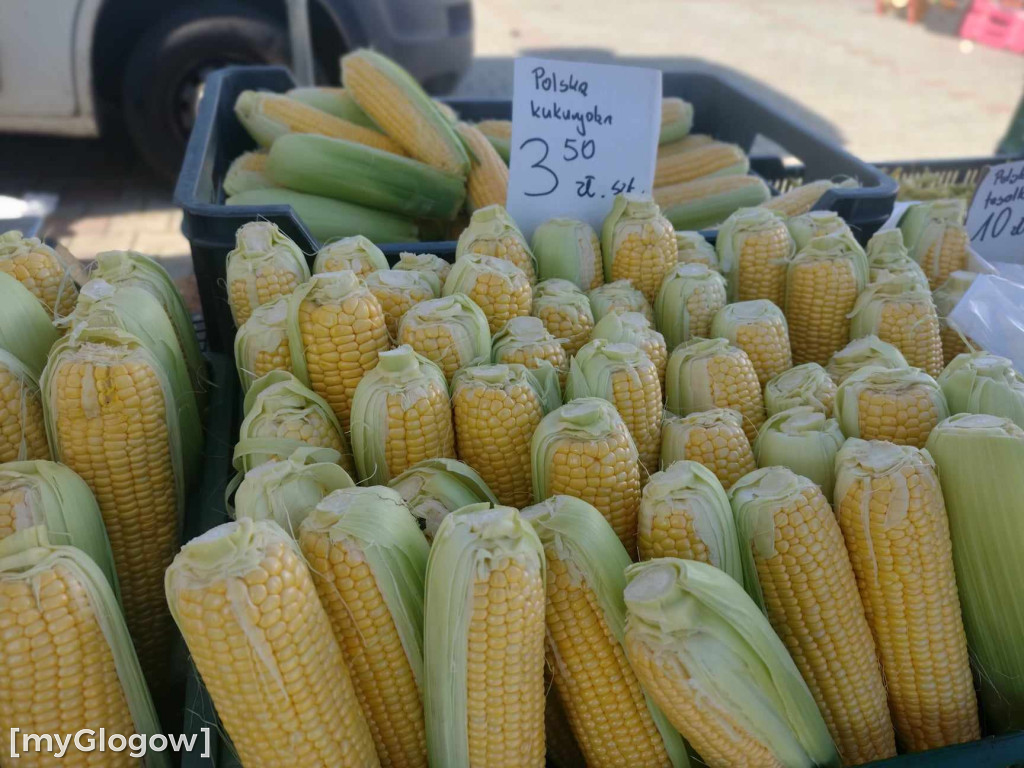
[{"x": 999, "y": 25}]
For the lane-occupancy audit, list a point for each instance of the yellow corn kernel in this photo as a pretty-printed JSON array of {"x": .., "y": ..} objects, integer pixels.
[
  {"x": 685, "y": 144},
  {"x": 22, "y": 432},
  {"x": 945, "y": 254},
  {"x": 526, "y": 341},
  {"x": 40, "y": 269},
  {"x": 424, "y": 262},
  {"x": 451, "y": 332},
  {"x": 261, "y": 343},
  {"x": 565, "y": 312},
  {"x": 398, "y": 291},
  {"x": 357, "y": 254},
  {"x": 800, "y": 199},
  {"x": 619, "y": 296},
  {"x": 488, "y": 177},
  {"x": 638, "y": 244},
  {"x": 759, "y": 329},
  {"x": 900, "y": 405},
  {"x": 712, "y": 159},
  {"x": 900, "y": 311},
  {"x": 498, "y": 287},
  {"x": 690, "y": 296},
  {"x": 713, "y": 438},
  {"x": 492, "y": 232},
  {"x": 754, "y": 247},
  {"x": 633, "y": 328}
]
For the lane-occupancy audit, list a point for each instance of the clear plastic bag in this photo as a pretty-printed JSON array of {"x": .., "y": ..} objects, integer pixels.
[{"x": 991, "y": 313}]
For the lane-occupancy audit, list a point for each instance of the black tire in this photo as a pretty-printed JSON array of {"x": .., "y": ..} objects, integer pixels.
[{"x": 166, "y": 69}]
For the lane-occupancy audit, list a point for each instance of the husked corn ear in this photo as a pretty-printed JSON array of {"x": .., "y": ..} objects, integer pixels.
[
  {"x": 713, "y": 438},
  {"x": 860, "y": 353},
  {"x": 245, "y": 603},
  {"x": 334, "y": 101},
  {"x": 400, "y": 416},
  {"x": 41, "y": 269},
  {"x": 979, "y": 382},
  {"x": 619, "y": 296},
  {"x": 936, "y": 237},
  {"x": 804, "y": 440},
  {"x": 497, "y": 286},
  {"x": 261, "y": 342},
  {"x": 685, "y": 513},
  {"x": 607, "y": 711},
  {"x": 565, "y": 311},
  {"x": 397, "y": 103},
  {"x": 710, "y": 373},
  {"x": 584, "y": 450},
  {"x": 424, "y": 262},
  {"x": 484, "y": 641},
  {"x": 247, "y": 171},
  {"x": 369, "y": 561},
  {"x": 713, "y": 159},
  {"x": 822, "y": 284},
  {"x": 676, "y": 119},
  {"x": 693, "y": 248},
  {"x": 624, "y": 376},
  {"x": 488, "y": 176},
  {"x": 708, "y": 657},
  {"x": 355, "y": 253},
  {"x": 633, "y": 328},
  {"x": 568, "y": 249},
  {"x": 336, "y": 331},
  {"x": 451, "y": 332},
  {"x": 759, "y": 328},
  {"x": 436, "y": 487},
  {"x": 690, "y": 296},
  {"x": 400, "y": 291},
  {"x": 491, "y": 231},
  {"x": 501, "y": 129},
  {"x": 705, "y": 203},
  {"x": 526, "y": 341},
  {"x": 26, "y": 329},
  {"x": 888, "y": 258},
  {"x": 901, "y": 405},
  {"x": 795, "y": 565},
  {"x": 945, "y": 298},
  {"x": 891, "y": 512},
  {"x": 269, "y": 116},
  {"x": 799, "y": 199},
  {"x": 900, "y": 311},
  {"x": 685, "y": 144},
  {"x": 808, "y": 226},
  {"x": 638, "y": 244},
  {"x": 22, "y": 431},
  {"x": 807, "y": 384},
  {"x": 264, "y": 265},
  {"x": 754, "y": 246}
]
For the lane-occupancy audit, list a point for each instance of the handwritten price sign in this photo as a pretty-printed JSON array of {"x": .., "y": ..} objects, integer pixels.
[
  {"x": 995, "y": 220},
  {"x": 581, "y": 134}
]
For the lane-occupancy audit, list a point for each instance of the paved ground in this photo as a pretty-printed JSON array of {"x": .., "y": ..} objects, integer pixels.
[{"x": 882, "y": 88}]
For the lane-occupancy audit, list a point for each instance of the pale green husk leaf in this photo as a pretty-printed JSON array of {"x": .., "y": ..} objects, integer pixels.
[
  {"x": 466, "y": 320},
  {"x": 433, "y": 488},
  {"x": 693, "y": 248},
  {"x": 618, "y": 296},
  {"x": 813, "y": 224},
  {"x": 866, "y": 317},
  {"x": 734, "y": 232},
  {"x": 264, "y": 331},
  {"x": 351, "y": 253},
  {"x": 25, "y": 327},
  {"x": 876, "y": 379},
  {"x": 262, "y": 246},
  {"x": 567, "y": 249},
  {"x": 807, "y": 384},
  {"x": 490, "y": 224},
  {"x": 979, "y": 382},
  {"x": 675, "y": 430},
  {"x": 803, "y": 440},
  {"x": 862, "y": 353},
  {"x": 671, "y": 312}
]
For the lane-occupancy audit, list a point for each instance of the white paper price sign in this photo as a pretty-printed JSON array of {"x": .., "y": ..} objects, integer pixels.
[
  {"x": 581, "y": 134},
  {"x": 995, "y": 220}
]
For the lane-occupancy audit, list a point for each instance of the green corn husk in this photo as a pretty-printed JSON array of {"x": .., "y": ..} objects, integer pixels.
[
  {"x": 862, "y": 353},
  {"x": 470, "y": 543},
  {"x": 803, "y": 440},
  {"x": 578, "y": 535},
  {"x": 812, "y": 224},
  {"x": 918, "y": 219},
  {"x": 28, "y": 557},
  {"x": 633, "y": 328},
  {"x": 568, "y": 249},
  {"x": 261, "y": 247},
  {"x": 277, "y": 404},
  {"x": 333, "y": 101},
  {"x": 732, "y": 236},
  {"x": 706, "y": 203},
  {"x": 724, "y": 658},
  {"x": 694, "y": 490},
  {"x": 434, "y": 488},
  {"x": 690, "y": 296},
  {"x": 499, "y": 133},
  {"x": 265, "y": 332},
  {"x": 618, "y": 296},
  {"x": 978, "y": 382},
  {"x": 676, "y": 119},
  {"x": 468, "y": 321},
  {"x": 694, "y": 248},
  {"x": 25, "y": 328},
  {"x": 356, "y": 173},
  {"x": 424, "y": 262},
  {"x": 355, "y": 253},
  {"x": 847, "y": 408},
  {"x": 328, "y": 219},
  {"x": 979, "y": 458},
  {"x": 248, "y": 171},
  {"x": 759, "y": 327},
  {"x": 493, "y": 232},
  {"x": 808, "y": 384},
  {"x": 888, "y": 258}
]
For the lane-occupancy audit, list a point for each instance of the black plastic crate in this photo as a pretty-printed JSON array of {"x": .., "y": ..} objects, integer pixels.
[{"x": 721, "y": 108}]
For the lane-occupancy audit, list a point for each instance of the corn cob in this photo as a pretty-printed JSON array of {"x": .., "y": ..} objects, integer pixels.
[
  {"x": 41, "y": 269},
  {"x": 26, "y": 331},
  {"x": 807, "y": 226},
  {"x": 861, "y": 353},
  {"x": 247, "y": 171},
  {"x": 754, "y": 246},
  {"x": 685, "y": 513},
  {"x": 693, "y": 248},
  {"x": 451, "y": 332},
  {"x": 709, "y": 373},
  {"x": 685, "y": 144},
  {"x": 607, "y": 711},
  {"x": 261, "y": 342},
  {"x": 618, "y": 296},
  {"x": 328, "y": 219},
  {"x": 676, "y": 119},
  {"x": 497, "y": 286},
  {"x": 264, "y": 265},
  {"x": 888, "y": 258},
  {"x": 396, "y": 102},
  {"x": 624, "y": 376},
  {"x": 245, "y": 603},
  {"x": 354, "y": 253},
  {"x": 336, "y": 331},
  {"x": 568, "y": 249},
  {"x": 584, "y": 449},
  {"x": 901, "y": 405},
  {"x": 900, "y": 311},
  {"x": 708, "y": 657},
  {"x": 424, "y": 262},
  {"x": 945, "y": 298},
  {"x": 565, "y": 311},
  {"x": 501, "y": 129},
  {"x": 891, "y": 512},
  {"x": 488, "y": 177},
  {"x": 800, "y": 199},
  {"x": 759, "y": 328},
  {"x": 492, "y": 232},
  {"x": 333, "y": 101},
  {"x": 633, "y": 328},
  {"x": 706, "y": 203},
  {"x": 369, "y": 560},
  {"x": 803, "y": 440},
  {"x": 436, "y": 487},
  {"x": 526, "y": 341},
  {"x": 638, "y": 244},
  {"x": 979, "y": 382},
  {"x": 822, "y": 284},
  {"x": 23, "y": 433},
  {"x": 711, "y": 160},
  {"x": 796, "y": 567},
  {"x": 807, "y": 384},
  {"x": 400, "y": 416},
  {"x": 484, "y": 641},
  {"x": 399, "y": 291},
  {"x": 270, "y": 116},
  {"x": 712, "y": 438},
  {"x": 936, "y": 237},
  {"x": 690, "y": 296}
]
